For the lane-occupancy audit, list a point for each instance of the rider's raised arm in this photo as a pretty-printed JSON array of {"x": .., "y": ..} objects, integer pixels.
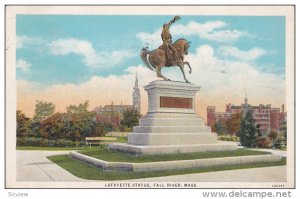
[{"x": 176, "y": 18}]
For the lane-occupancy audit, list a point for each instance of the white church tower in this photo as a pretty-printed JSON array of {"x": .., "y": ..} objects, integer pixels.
[{"x": 136, "y": 95}]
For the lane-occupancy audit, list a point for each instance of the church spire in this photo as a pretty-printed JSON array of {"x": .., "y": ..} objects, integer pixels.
[
  {"x": 246, "y": 99},
  {"x": 136, "y": 95},
  {"x": 136, "y": 80}
]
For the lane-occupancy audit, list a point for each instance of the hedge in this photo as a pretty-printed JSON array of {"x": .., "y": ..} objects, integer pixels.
[{"x": 32, "y": 141}]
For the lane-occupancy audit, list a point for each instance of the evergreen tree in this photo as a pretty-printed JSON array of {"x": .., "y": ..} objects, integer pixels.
[
  {"x": 219, "y": 128},
  {"x": 248, "y": 131},
  {"x": 283, "y": 128},
  {"x": 259, "y": 134}
]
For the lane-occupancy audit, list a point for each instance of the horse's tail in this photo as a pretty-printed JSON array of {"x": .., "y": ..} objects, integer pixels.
[{"x": 143, "y": 54}]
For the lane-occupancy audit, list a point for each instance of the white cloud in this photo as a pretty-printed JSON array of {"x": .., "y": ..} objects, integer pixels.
[
  {"x": 91, "y": 57},
  {"x": 98, "y": 90},
  {"x": 233, "y": 52},
  {"x": 20, "y": 40},
  {"x": 24, "y": 40},
  {"x": 152, "y": 40},
  {"x": 222, "y": 81},
  {"x": 23, "y": 65},
  {"x": 229, "y": 80},
  {"x": 211, "y": 30}
]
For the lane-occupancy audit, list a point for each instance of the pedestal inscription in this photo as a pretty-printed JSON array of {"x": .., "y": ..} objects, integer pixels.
[{"x": 176, "y": 102}]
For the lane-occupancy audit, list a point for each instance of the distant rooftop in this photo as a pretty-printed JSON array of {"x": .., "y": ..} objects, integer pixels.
[{"x": 108, "y": 108}]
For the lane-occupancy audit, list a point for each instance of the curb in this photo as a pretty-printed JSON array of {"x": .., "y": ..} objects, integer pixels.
[{"x": 171, "y": 165}]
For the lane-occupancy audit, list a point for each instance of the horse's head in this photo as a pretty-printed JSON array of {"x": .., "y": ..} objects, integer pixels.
[
  {"x": 186, "y": 47},
  {"x": 183, "y": 45}
]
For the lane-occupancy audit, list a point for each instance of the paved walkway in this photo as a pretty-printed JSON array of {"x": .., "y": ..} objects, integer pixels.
[
  {"x": 33, "y": 166},
  {"x": 275, "y": 152}
]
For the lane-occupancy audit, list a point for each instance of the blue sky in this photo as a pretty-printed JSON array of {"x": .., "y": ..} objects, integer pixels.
[
  {"x": 118, "y": 33},
  {"x": 67, "y": 59}
]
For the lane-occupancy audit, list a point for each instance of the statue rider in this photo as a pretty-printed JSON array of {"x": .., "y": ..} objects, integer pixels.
[{"x": 167, "y": 39}]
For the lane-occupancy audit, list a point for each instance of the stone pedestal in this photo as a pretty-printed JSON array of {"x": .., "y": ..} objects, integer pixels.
[{"x": 171, "y": 124}]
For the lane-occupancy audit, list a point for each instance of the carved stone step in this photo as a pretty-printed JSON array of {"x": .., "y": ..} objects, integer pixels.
[
  {"x": 171, "y": 129},
  {"x": 171, "y": 138},
  {"x": 171, "y": 122}
]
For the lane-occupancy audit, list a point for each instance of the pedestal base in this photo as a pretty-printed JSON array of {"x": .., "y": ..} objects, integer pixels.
[
  {"x": 172, "y": 165},
  {"x": 169, "y": 149},
  {"x": 171, "y": 124}
]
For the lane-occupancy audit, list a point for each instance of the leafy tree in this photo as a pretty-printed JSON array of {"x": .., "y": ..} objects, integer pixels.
[
  {"x": 43, "y": 110},
  {"x": 248, "y": 131},
  {"x": 73, "y": 127},
  {"x": 233, "y": 124},
  {"x": 35, "y": 128},
  {"x": 101, "y": 128},
  {"x": 23, "y": 124},
  {"x": 82, "y": 123},
  {"x": 81, "y": 108},
  {"x": 130, "y": 117},
  {"x": 53, "y": 127},
  {"x": 79, "y": 122}
]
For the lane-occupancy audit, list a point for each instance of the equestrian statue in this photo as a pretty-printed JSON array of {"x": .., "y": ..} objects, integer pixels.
[{"x": 168, "y": 54}]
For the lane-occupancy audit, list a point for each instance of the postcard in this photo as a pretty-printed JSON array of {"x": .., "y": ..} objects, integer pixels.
[{"x": 150, "y": 96}]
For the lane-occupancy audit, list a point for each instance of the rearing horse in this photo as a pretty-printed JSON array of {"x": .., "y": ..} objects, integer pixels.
[{"x": 157, "y": 58}]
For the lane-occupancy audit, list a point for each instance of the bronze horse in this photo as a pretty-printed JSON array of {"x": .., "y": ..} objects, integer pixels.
[{"x": 157, "y": 58}]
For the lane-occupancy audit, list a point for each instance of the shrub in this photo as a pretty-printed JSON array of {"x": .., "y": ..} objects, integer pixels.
[
  {"x": 21, "y": 141},
  {"x": 279, "y": 142},
  {"x": 231, "y": 138},
  {"x": 41, "y": 142},
  {"x": 51, "y": 143},
  {"x": 64, "y": 143},
  {"x": 31, "y": 141},
  {"x": 263, "y": 142},
  {"x": 81, "y": 143}
]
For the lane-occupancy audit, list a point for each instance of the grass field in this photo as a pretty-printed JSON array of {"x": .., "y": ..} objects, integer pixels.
[
  {"x": 38, "y": 148},
  {"x": 113, "y": 156},
  {"x": 85, "y": 171}
]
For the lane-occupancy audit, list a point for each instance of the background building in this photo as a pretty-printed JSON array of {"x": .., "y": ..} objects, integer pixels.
[
  {"x": 267, "y": 118},
  {"x": 113, "y": 113}
]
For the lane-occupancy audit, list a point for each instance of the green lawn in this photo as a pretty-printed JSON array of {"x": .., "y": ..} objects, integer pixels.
[
  {"x": 119, "y": 139},
  {"x": 39, "y": 148},
  {"x": 122, "y": 139},
  {"x": 114, "y": 156},
  {"x": 85, "y": 171}
]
